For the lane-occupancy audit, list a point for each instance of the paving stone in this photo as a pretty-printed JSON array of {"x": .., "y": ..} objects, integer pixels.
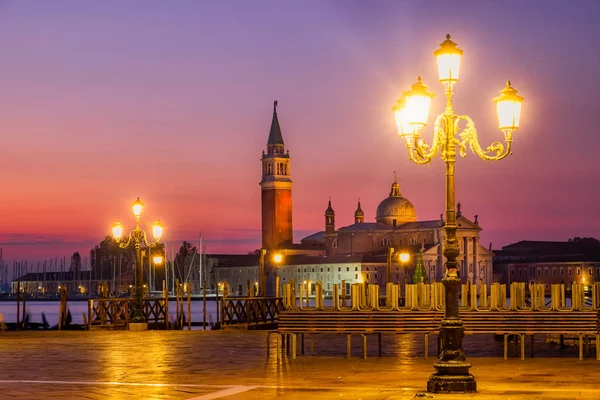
[{"x": 232, "y": 364}]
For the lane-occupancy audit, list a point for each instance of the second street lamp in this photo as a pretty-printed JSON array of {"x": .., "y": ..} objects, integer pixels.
[
  {"x": 138, "y": 237},
  {"x": 411, "y": 112}
]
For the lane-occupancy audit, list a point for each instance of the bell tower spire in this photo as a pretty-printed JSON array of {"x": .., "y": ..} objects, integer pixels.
[{"x": 276, "y": 190}]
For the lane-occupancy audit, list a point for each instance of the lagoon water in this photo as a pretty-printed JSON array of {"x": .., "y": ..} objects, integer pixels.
[{"x": 78, "y": 308}]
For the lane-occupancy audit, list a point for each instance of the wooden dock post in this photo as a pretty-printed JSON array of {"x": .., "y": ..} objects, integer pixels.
[
  {"x": 204, "y": 304},
  {"x": 24, "y": 306},
  {"x": 189, "y": 306},
  {"x": 225, "y": 293},
  {"x": 18, "y": 303}
]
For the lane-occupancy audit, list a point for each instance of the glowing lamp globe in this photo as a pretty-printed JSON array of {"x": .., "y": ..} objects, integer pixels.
[
  {"x": 418, "y": 102},
  {"x": 157, "y": 259},
  {"x": 117, "y": 230},
  {"x": 508, "y": 107},
  {"x": 404, "y": 257},
  {"x": 137, "y": 207},
  {"x": 277, "y": 258},
  {"x": 405, "y": 129},
  {"x": 157, "y": 230},
  {"x": 448, "y": 61}
]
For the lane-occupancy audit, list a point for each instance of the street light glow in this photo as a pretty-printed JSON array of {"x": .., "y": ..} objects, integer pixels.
[
  {"x": 418, "y": 102},
  {"x": 404, "y": 257},
  {"x": 448, "y": 61},
  {"x": 157, "y": 259},
  {"x": 117, "y": 230},
  {"x": 137, "y": 207},
  {"x": 157, "y": 230},
  {"x": 508, "y": 107},
  {"x": 277, "y": 257}
]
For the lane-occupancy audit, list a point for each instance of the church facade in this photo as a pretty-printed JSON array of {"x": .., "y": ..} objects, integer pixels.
[{"x": 396, "y": 226}]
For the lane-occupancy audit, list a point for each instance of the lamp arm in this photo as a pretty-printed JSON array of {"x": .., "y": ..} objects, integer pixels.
[
  {"x": 468, "y": 136},
  {"x": 423, "y": 149},
  {"x": 144, "y": 238},
  {"x": 126, "y": 245}
]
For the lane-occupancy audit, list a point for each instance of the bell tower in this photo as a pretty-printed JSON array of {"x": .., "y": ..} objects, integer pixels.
[{"x": 276, "y": 190}]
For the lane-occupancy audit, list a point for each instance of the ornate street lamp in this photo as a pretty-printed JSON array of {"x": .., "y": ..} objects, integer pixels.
[
  {"x": 277, "y": 258},
  {"x": 138, "y": 236},
  {"x": 411, "y": 112}
]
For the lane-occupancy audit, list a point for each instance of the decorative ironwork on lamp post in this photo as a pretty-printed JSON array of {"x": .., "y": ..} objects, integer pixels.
[
  {"x": 138, "y": 236},
  {"x": 411, "y": 112}
]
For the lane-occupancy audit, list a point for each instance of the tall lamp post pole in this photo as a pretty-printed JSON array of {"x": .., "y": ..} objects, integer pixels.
[
  {"x": 138, "y": 236},
  {"x": 411, "y": 112}
]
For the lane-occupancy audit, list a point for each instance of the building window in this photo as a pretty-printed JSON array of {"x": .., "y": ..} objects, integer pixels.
[
  {"x": 355, "y": 276},
  {"x": 597, "y": 271},
  {"x": 321, "y": 269},
  {"x": 367, "y": 276},
  {"x": 554, "y": 271},
  {"x": 546, "y": 271},
  {"x": 562, "y": 271},
  {"x": 375, "y": 275},
  {"x": 385, "y": 242},
  {"x": 355, "y": 268},
  {"x": 578, "y": 271},
  {"x": 367, "y": 268},
  {"x": 335, "y": 244},
  {"x": 570, "y": 271},
  {"x": 539, "y": 272},
  {"x": 394, "y": 222},
  {"x": 590, "y": 272},
  {"x": 339, "y": 269},
  {"x": 347, "y": 269},
  {"x": 424, "y": 240}
]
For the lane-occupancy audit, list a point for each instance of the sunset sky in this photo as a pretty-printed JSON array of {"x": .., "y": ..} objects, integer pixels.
[{"x": 102, "y": 102}]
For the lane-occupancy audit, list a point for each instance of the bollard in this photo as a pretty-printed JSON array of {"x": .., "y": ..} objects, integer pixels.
[
  {"x": 473, "y": 300},
  {"x": 354, "y": 298},
  {"x": 336, "y": 298},
  {"x": 394, "y": 288},
  {"x": 319, "y": 296},
  {"x": 554, "y": 296},
  {"x": 343, "y": 293},
  {"x": 464, "y": 294},
  {"x": 374, "y": 297},
  {"x": 483, "y": 296},
  {"x": 300, "y": 295}
]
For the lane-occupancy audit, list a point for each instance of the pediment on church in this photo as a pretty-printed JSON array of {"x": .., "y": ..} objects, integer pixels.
[{"x": 464, "y": 223}]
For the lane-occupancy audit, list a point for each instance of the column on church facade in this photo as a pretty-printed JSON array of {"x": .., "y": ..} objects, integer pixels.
[
  {"x": 465, "y": 273},
  {"x": 476, "y": 259}
]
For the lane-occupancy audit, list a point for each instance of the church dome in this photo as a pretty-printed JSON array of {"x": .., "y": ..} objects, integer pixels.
[{"x": 395, "y": 210}]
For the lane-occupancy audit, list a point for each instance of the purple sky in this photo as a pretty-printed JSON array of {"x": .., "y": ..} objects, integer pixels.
[{"x": 102, "y": 102}]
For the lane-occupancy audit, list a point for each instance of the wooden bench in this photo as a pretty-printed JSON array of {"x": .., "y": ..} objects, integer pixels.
[{"x": 299, "y": 322}]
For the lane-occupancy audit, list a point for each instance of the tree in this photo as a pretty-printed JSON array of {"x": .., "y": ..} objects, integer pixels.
[
  {"x": 103, "y": 255},
  {"x": 185, "y": 251},
  {"x": 75, "y": 263}
]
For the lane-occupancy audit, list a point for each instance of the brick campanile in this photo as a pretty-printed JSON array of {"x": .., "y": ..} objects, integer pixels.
[{"x": 276, "y": 190}]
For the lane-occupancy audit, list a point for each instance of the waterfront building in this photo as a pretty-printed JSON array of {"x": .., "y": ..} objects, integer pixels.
[{"x": 544, "y": 262}]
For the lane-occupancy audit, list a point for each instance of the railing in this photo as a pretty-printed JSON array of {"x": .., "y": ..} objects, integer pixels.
[
  {"x": 116, "y": 313},
  {"x": 426, "y": 297},
  {"x": 252, "y": 311}
]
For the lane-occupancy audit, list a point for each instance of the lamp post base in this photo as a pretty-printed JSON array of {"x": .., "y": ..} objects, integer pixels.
[
  {"x": 442, "y": 383},
  {"x": 138, "y": 326}
]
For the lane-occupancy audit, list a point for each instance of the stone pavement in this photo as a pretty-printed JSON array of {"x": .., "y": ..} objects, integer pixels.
[{"x": 232, "y": 364}]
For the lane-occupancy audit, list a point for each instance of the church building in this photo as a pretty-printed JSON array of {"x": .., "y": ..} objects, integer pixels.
[{"x": 360, "y": 252}]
